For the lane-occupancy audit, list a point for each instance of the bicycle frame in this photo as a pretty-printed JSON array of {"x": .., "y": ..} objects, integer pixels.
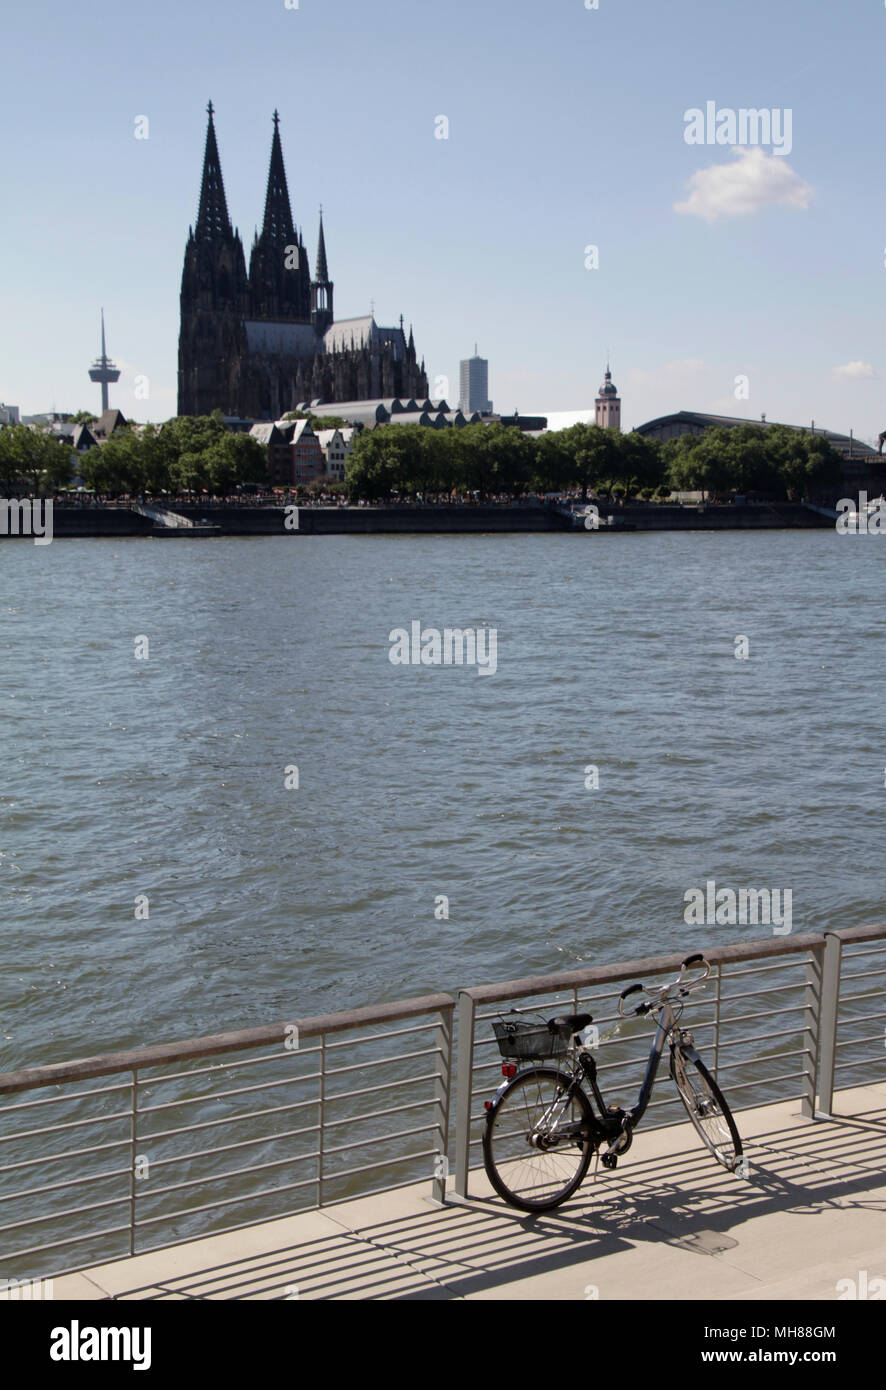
[
  {"x": 611, "y": 1124},
  {"x": 665, "y": 1026}
]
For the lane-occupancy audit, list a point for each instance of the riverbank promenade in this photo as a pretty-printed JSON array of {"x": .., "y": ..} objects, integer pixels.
[{"x": 669, "y": 1223}]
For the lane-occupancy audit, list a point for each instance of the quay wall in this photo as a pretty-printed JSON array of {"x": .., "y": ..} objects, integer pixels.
[{"x": 457, "y": 520}]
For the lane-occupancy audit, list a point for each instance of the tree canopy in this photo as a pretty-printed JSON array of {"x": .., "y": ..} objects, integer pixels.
[{"x": 495, "y": 460}]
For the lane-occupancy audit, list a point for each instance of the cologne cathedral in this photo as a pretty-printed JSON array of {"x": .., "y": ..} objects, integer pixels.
[{"x": 258, "y": 345}]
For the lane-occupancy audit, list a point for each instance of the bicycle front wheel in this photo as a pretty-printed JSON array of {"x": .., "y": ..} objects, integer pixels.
[
  {"x": 706, "y": 1108},
  {"x": 533, "y": 1156}
]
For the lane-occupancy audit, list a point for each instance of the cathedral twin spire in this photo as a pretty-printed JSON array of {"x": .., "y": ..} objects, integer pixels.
[
  {"x": 213, "y": 221},
  {"x": 278, "y": 229},
  {"x": 280, "y": 284}
]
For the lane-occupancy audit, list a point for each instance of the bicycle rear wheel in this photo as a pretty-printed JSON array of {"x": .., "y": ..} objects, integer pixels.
[
  {"x": 706, "y": 1108},
  {"x": 525, "y": 1160}
]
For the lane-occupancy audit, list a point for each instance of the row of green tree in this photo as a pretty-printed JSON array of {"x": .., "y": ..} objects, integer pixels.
[
  {"x": 193, "y": 454},
  {"x": 494, "y": 460},
  {"x": 187, "y": 454}
]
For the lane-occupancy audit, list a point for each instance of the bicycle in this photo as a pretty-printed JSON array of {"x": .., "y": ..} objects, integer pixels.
[{"x": 541, "y": 1128}]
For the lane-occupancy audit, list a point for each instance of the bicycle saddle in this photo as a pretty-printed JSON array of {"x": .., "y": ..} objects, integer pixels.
[{"x": 567, "y": 1024}]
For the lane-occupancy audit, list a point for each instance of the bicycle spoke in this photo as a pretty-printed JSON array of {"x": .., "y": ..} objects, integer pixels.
[{"x": 525, "y": 1160}]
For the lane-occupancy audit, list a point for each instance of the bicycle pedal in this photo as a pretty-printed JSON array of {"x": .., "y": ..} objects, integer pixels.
[{"x": 609, "y": 1160}]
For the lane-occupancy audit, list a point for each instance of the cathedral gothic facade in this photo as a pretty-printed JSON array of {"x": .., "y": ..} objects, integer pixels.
[{"x": 258, "y": 345}]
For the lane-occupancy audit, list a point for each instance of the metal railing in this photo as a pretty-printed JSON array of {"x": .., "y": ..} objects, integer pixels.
[
  {"x": 140, "y": 1150},
  {"x": 166, "y": 1146},
  {"x": 771, "y": 1023}
]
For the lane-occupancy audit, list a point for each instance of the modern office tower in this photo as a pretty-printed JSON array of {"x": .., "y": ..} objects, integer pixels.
[{"x": 474, "y": 385}]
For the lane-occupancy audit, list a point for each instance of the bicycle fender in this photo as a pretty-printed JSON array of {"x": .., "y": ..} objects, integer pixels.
[
  {"x": 509, "y": 1081},
  {"x": 689, "y": 1051}
]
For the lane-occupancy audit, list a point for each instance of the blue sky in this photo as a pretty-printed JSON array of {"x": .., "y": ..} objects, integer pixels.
[{"x": 566, "y": 129}]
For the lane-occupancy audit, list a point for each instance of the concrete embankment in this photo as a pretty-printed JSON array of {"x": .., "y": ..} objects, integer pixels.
[
  {"x": 454, "y": 520},
  {"x": 315, "y": 521},
  {"x": 763, "y": 516}
]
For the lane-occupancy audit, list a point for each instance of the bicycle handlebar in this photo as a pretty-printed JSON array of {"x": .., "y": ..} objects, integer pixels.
[{"x": 661, "y": 991}]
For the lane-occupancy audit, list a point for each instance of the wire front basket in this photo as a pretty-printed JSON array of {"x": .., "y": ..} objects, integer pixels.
[{"x": 524, "y": 1039}]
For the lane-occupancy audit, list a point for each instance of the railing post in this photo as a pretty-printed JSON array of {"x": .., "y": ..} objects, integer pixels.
[
  {"x": 442, "y": 1086},
  {"x": 812, "y": 1028},
  {"x": 321, "y": 1118},
  {"x": 717, "y": 1018},
  {"x": 133, "y": 1145},
  {"x": 464, "y": 1091},
  {"x": 830, "y": 1010}
]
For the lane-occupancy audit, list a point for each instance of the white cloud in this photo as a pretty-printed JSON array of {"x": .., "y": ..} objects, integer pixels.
[
  {"x": 855, "y": 371},
  {"x": 754, "y": 180}
]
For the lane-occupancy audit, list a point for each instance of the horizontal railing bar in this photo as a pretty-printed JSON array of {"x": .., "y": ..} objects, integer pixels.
[
  {"x": 379, "y": 1139},
  {"x": 58, "y": 1158},
  {"x": 546, "y": 1012},
  {"x": 386, "y": 1085},
  {"x": 268, "y": 1034},
  {"x": 281, "y": 1055},
  {"x": 642, "y": 1058},
  {"x": 228, "y": 1120},
  {"x": 862, "y": 1062},
  {"x": 66, "y": 1098},
  {"x": 846, "y": 976},
  {"x": 194, "y": 1154},
  {"x": 68, "y": 1211},
  {"x": 769, "y": 1081},
  {"x": 377, "y": 1037},
  {"x": 428, "y": 1103},
  {"x": 651, "y": 965},
  {"x": 872, "y": 932},
  {"x": 225, "y": 1202},
  {"x": 861, "y": 1018},
  {"x": 60, "y": 1186},
  {"x": 757, "y": 1061},
  {"x": 401, "y": 1057},
  {"x": 592, "y": 999},
  {"x": 760, "y": 994},
  {"x": 758, "y": 1013},
  {"x": 223, "y": 1177},
  {"x": 290, "y": 1053},
  {"x": 373, "y": 1167},
  {"x": 865, "y": 994},
  {"x": 739, "y": 974},
  {"x": 763, "y": 1037},
  {"x": 69, "y": 1240},
  {"x": 856, "y": 1042},
  {"x": 65, "y": 1124},
  {"x": 274, "y": 1085},
  {"x": 222, "y": 1095}
]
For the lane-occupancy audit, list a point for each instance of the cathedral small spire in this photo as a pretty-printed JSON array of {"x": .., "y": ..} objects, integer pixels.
[
  {"x": 322, "y": 276},
  {"x": 321, "y": 286},
  {"x": 212, "y": 217}
]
